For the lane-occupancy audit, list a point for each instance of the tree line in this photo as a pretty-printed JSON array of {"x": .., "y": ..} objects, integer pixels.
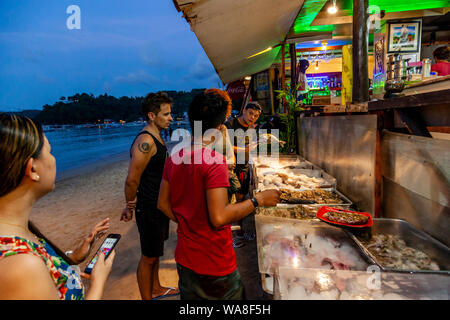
[{"x": 86, "y": 108}]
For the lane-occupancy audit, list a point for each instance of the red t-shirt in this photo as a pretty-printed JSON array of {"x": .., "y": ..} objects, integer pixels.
[
  {"x": 200, "y": 247},
  {"x": 442, "y": 68}
]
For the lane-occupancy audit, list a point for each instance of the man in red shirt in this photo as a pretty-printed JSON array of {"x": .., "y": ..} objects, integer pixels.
[
  {"x": 442, "y": 66},
  {"x": 194, "y": 194}
]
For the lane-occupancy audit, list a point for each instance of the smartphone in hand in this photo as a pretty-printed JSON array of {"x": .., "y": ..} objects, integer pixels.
[{"x": 106, "y": 247}]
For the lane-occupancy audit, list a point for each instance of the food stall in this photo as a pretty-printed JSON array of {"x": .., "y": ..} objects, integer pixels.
[
  {"x": 380, "y": 152},
  {"x": 297, "y": 251}
]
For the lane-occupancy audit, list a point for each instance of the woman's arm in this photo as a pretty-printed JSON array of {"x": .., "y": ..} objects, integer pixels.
[
  {"x": 164, "y": 200},
  {"x": 80, "y": 253},
  {"x": 99, "y": 275}
]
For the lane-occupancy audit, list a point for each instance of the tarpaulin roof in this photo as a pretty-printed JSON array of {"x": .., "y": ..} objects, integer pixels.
[{"x": 233, "y": 31}]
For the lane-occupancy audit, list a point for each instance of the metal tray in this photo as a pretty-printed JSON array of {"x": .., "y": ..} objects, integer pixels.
[
  {"x": 318, "y": 284},
  {"x": 274, "y": 252},
  {"x": 413, "y": 238},
  {"x": 295, "y": 211},
  {"x": 330, "y": 182},
  {"x": 347, "y": 202}
]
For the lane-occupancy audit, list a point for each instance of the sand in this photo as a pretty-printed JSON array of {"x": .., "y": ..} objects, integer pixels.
[{"x": 68, "y": 214}]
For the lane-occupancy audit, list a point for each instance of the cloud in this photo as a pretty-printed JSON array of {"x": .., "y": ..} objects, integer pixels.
[
  {"x": 202, "y": 70},
  {"x": 139, "y": 77}
]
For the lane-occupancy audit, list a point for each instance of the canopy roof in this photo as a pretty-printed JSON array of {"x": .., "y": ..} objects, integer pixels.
[
  {"x": 231, "y": 31},
  {"x": 236, "y": 34}
]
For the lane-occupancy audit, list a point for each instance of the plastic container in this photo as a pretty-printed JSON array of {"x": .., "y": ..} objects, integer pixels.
[{"x": 325, "y": 209}]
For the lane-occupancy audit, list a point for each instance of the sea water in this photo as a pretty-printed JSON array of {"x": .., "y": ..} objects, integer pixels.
[{"x": 78, "y": 147}]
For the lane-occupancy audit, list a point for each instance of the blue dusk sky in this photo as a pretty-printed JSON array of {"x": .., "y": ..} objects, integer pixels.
[{"x": 123, "y": 48}]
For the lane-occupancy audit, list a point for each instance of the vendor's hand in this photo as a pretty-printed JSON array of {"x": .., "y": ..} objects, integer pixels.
[
  {"x": 84, "y": 249},
  {"x": 127, "y": 214},
  {"x": 101, "y": 270},
  {"x": 252, "y": 146},
  {"x": 268, "y": 198}
]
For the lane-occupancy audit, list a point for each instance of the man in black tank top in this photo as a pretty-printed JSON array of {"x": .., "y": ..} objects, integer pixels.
[{"x": 148, "y": 155}]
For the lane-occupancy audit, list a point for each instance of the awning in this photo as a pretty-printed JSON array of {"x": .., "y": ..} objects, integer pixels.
[{"x": 232, "y": 31}]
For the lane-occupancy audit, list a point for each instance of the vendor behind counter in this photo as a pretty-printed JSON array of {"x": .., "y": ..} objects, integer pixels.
[{"x": 441, "y": 57}]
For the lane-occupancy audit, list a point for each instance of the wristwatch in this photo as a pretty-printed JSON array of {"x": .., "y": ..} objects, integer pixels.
[{"x": 255, "y": 202}]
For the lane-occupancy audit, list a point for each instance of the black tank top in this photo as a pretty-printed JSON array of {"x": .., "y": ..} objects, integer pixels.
[{"x": 148, "y": 190}]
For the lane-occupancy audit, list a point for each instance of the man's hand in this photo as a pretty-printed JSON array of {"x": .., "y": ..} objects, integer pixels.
[
  {"x": 268, "y": 198},
  {"x": 83, "y": 250},
  {"x": 127, "y": 214}
]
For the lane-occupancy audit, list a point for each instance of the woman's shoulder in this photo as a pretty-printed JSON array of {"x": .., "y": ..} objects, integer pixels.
[{"x": 25, "y": 276}]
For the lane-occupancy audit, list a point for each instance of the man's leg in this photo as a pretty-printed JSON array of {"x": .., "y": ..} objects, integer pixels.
[
  {"x": 152, "y": 235},
  {"x": 145, "y": 276},
  {"x": 159, "y": 290}
]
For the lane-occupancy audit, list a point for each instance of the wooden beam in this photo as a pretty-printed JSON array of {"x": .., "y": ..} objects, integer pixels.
[
  {"x": 345, "y": 16},
  {"x": 417, "y": 100},
  {"x": 439, "y": 129}
]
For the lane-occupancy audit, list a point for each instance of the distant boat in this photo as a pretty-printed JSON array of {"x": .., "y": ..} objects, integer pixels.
[{"x": 48, "y": 128}]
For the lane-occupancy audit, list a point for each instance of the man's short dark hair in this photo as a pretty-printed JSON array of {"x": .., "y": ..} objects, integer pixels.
[
  {"x": 153, "y": 101},
  {"x": 253, "y": 105},
  {"x": 442, "y": 53},
  {"x": 208, "y": 107}
]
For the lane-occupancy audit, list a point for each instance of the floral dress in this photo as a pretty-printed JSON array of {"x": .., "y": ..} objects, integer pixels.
[{"x": 67, "y": 279}]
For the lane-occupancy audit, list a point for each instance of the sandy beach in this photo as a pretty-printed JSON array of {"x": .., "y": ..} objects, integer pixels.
[{"x": 67, "y": 215}]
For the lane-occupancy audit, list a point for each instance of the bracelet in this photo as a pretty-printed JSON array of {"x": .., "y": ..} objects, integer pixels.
[
  {"x": 131, "y": 204},
  {"x": 255, "y": 202}
]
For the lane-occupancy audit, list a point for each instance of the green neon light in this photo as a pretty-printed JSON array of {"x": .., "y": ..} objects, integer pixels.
[
  {"x": 400, "y": 5},
  {"x": 311, "y": 8}
]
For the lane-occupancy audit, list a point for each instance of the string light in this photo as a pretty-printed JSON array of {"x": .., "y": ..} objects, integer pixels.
[{"x": 332, "y": 9}]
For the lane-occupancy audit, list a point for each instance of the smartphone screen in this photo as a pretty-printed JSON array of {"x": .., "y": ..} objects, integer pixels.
[{"x": 106, "y": 247}]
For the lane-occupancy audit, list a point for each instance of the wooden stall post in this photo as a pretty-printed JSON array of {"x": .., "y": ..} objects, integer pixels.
[
  {"x": 293, "y": 55},
  {"x": 360, "y": 92},
  {"x": 283, "y": 74}
]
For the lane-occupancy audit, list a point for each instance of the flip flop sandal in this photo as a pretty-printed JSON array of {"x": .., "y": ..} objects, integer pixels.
[{"x": 166, "y": 294}]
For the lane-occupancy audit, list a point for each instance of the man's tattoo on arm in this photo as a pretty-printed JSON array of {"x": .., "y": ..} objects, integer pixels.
[{"x": 144, "y": 147}]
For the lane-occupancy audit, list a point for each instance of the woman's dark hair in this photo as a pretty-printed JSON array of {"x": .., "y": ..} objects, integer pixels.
[
  {"x": 303, "y": 65},
  {"x": 442, "y": 53},
  {"x": 20, "y": 140},
  {"x": 208, "y": 107},
  {"x": 153, "y": 101}
]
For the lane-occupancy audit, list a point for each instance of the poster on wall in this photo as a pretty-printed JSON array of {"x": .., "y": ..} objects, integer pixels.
[
  {"x": 404, "y": 36},
  {"x": 379, "y": 49}
]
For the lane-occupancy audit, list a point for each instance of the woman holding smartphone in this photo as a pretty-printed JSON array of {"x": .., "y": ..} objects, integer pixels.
[{"x": 30, "y": 266}]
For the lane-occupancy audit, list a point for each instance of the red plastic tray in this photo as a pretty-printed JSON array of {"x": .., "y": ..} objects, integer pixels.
[{"x": 325, "y": 209}]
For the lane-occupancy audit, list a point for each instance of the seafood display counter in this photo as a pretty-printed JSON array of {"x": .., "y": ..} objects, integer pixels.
[
  {"x": 396, "y": 245},
  {"x": 302, "y": 257},
  {"x": 304, "y": 186},
  {"x": 309, "y": 259},
  {"x": 319, "y": 284}
]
